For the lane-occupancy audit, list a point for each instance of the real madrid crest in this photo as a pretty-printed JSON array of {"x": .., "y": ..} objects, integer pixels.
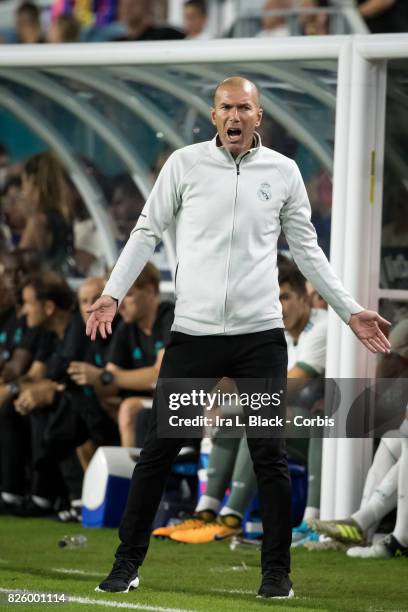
[{"x": 264, "y": 192}]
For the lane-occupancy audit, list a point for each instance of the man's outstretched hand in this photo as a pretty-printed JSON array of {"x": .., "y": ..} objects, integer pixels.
[
  {"x": 370, "y": 329},
  {"x": 101, "y": 317}
]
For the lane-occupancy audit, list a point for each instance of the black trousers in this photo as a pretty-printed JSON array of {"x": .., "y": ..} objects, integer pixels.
[
  {"x": 257, "y": 355},
  {"x": 21, "y": 440}
]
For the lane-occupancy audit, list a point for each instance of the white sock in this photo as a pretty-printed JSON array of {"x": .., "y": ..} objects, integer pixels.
[
  {"x": 387, "y": 454},
  {"x": 11, "y": 498},
  {"x": 43, "y": 502},
  {"x": 208, "y": 503},
  {"x": 401, "y": 525},
  {"x": 226, "y": 510},
  {"x": 382, "y": 501},
  {"x": 311, "y": 513}
]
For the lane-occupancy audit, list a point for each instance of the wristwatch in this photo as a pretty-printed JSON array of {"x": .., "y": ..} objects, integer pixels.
[
  {"x": 106, "y": 377},
  {"x": 14, "y": 389}
]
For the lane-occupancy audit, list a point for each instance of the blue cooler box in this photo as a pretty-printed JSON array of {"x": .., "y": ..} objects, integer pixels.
[{"x": 106, "y": 486}]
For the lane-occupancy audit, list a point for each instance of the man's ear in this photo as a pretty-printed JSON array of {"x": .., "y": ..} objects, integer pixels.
[
  {"x": 213, "y": 116},
  {"x": 49, "y": 307},
  {"x": 260, "y": 115}
]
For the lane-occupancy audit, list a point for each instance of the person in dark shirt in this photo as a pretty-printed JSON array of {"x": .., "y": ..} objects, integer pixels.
[
  {"x": 138, "y": 347},
  {"x": 25, "y": 404},
  {"x": 17, "y": 340},
  {"x": 138, "y": 20},
  {"x": 11, "y": 326},
  {"x": 384, "y": 16},
  {"x": 82, "y": 420}
]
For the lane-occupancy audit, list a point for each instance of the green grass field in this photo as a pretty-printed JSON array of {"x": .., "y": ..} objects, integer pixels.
[{"x": 206, "y": 578}]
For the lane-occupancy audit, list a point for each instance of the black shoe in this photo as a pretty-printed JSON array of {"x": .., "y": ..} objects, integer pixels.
[
  {"x": 275, "y": 585},
  {"x": 9, "y": 508},
  {"x": 29, "y": 509},
  {"x": 122, "y": 579},
  {"x": 393, "y": 547}
]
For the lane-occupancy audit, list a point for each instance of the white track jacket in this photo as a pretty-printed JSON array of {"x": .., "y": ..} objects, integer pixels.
[{"x": 228, "y": 215}]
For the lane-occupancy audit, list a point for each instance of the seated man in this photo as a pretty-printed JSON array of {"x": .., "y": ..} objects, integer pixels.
[
  {"x": 396, "y": 543},
  {"x": 230, "y": 459},
  {"x": 384, "y": 481},
  {"x": 82, "y": 415},
  {"x": 24, "y": 412},
  {"x": 137, "y": 349},
  {"x": 385, "y": 488}
]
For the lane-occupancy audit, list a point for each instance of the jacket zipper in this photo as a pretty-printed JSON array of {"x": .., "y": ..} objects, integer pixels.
[{"x": 232, "y": 233}]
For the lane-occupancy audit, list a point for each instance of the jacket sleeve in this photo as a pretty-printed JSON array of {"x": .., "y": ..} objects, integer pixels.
[
  {"x": 302, "y": 240},
  {"x": 157, "y": 214}
]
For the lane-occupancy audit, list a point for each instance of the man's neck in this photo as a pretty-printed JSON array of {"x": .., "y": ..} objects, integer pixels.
[
  {"x": 301, "y": 324},
  {"x": 59, "y": 323},
  {"x": 146, "y": 323},
  {"x": 253, "y": 145}
]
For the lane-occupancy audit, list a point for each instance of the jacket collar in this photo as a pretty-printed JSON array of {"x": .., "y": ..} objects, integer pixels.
[{"x": 222, "y": 154}]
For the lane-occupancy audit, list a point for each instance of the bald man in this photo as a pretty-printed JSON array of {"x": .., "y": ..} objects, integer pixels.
[{"x": 228, "y": 198}]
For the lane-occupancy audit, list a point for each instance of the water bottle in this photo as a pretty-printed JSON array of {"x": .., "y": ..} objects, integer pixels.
[
  {"x": 243, "y": 543},
  {"x": 73, "y": 541}
]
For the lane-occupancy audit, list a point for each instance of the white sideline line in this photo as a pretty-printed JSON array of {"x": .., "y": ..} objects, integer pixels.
[
  {"x": 105, "y": 602},
  {"x": 242, "y": 592},
  {"x": 117, "y": 604},
  {"x": 67, "y": 570}
]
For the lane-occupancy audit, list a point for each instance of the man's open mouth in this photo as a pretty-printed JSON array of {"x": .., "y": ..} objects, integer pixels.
[{"x": 234, "y": 134}]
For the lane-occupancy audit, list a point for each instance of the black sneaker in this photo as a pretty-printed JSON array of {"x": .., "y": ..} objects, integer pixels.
[
  {"x": 276, "y": 585},
  {"x": 393, "y": 547},
  {"x": 9, "y": 508},
  {"x": 122, "y": 579},
  {"x": 29, "y": 509}
]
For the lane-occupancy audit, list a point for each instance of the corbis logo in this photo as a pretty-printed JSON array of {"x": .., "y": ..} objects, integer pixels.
[{"x": 264, "y": 192}]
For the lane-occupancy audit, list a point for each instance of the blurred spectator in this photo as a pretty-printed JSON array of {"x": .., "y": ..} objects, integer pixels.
[
  {"x": 195, "y": 19},
  {"x": 89, "y": 252},
  {"x": 314, "y": 24},
  {"x": 319, "y": 189},
  {"x": 395, "y": 232},
  {"x": 87, "y": 12},
  {"x": 17, "y": 341},
  {"x": 64, "y": 29},
  {"x": 12, "y": 211},
  {"x": 274, "y": 25},
  {"x": 126, "y": 205},
  {"x": 382, "y": 16},
  {"x": 275, "y": 136},
  {"x": 48, "y": 229},
  {"x": 28, "y": 24},
  {"x": 4, "y": 163},
  {"x": 137, "y": 16}
]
